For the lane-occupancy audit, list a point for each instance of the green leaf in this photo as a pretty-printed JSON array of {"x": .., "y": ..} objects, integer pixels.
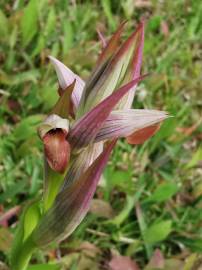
[
  {"x": 121, "y": 179},
  {"x": 163, "y": 192},
  {"x": 106, "y": 4},
  {"x": 53, "y": 181},
  {"x": 51, "y": 22},
  {"x": 23, "y": 246},
  {"x": 41, "y": 43},
  {"x": 196, "y": 158},
  {"x": 5, "y": 239},
  {"x": 14, "y": 189},
  {"x": 44, "y": 267},
  {"x": 128, "y": 8},
  {"x": 21, "y": 77},
  {"x": 31, "y": 219},
  {"x": 167, "y": 129},
  {"x": 27, "y": 127},
  {"x": 47, "y": 95},
  {"x": 130, "y": 202},
  {"x": 29, "y": 25},
  {"x": 158, "y": 231},
  {"x": 3, "y": 24},
  {"x": 68, "y": 36}
]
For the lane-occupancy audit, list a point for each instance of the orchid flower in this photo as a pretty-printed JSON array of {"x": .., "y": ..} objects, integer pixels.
[{"x": 78, "y": 136}]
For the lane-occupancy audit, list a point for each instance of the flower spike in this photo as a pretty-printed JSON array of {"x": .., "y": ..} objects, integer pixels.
[{"x": 78, "y": 137}]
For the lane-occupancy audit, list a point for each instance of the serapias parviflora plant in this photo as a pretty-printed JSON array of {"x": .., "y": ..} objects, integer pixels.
[{"x": 78, "y": 136}]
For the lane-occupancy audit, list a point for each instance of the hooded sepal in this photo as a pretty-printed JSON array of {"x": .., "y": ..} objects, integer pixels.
[
  {"x": 71, "y": 204},
  {"x": 66, "y": 77},
  {"x": 53, "y": 122}
]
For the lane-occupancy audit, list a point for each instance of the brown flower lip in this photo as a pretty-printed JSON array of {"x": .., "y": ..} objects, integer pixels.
[{"x": 57, "y": 150}]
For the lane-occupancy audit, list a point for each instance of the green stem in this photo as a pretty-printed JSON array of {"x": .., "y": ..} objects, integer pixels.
[
  {"x": 21, "y": 260},
  {"x": 53, "y": 181}
]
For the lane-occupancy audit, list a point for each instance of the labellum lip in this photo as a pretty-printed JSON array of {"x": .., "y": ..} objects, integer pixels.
[
  {"x": 57, "y": 149},
  {"x": 140, "y": 136}
]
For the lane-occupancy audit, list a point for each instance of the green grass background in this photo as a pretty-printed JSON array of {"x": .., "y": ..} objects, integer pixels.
[{"x": 155, "y": 190}]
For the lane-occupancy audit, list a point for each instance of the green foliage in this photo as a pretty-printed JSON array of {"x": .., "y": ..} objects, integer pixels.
[
  {"x": 29, "y": 25},
  {"x": 44, "y": 267},
  {"x": 163, "y": 192},
  {"x": 163, "y": 176},
  {"x": 158, "y": 232}
]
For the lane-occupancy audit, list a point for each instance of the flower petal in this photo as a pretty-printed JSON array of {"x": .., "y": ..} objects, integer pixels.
[
  {"x": 66, "y": 77},
  {"x": 71, "y": 204},
  {"x": 86, "y": 128},
  {"x": 126, "y": 122},
  {"x": 53, "y": 121}
]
